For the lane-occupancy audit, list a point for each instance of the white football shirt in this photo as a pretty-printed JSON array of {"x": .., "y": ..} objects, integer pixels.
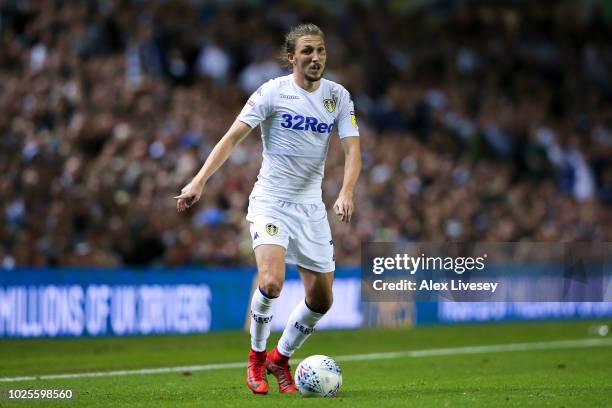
[{"x": 296, "y": 126}]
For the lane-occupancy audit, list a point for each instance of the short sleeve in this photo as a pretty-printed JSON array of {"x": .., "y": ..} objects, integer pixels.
[
  {"x": 258, "y": 106},
  {"x": 347, "y": 121}
]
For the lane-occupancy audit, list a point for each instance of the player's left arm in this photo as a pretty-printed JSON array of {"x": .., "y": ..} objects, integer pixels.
[{"x": 344, "y": 205}]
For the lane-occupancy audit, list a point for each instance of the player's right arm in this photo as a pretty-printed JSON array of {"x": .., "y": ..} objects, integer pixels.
[
  {"x": 192, "y": 192},
  {"x": 256, "y": 110}
]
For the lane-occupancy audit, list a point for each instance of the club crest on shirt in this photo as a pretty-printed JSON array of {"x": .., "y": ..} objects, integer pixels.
[
  {"x": 330, "y": 104},
  {"x": 271, "y": 229}
]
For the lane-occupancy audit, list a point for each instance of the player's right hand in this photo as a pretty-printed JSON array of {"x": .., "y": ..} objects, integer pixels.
[{"x": 190, "y": 194}]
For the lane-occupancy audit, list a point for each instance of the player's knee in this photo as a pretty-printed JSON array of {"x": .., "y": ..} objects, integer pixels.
[{"x": 270, "y": 286}]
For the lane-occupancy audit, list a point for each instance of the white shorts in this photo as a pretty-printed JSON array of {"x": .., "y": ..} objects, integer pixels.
[{"x": 302, "y": 229}]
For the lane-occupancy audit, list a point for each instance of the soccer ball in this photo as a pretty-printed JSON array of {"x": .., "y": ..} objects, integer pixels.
[{"x": 318, "y": 376}]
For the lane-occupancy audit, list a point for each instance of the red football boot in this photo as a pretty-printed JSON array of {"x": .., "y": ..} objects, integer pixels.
[
  {"x": 278, "y": 366},
  {"x": 256, "y": 372}
]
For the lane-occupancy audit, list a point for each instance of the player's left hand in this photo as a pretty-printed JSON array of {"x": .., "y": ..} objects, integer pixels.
[{"x": 344, "y": 207}]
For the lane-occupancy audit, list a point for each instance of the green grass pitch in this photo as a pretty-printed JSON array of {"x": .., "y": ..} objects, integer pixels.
[{"x": 570, "y": 377}]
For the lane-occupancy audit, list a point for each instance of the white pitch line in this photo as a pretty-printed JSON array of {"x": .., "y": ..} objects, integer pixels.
[{"x": 493, "y": 348}]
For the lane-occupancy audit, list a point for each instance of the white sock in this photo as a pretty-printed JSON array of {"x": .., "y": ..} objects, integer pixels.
[
  {"x": 299, "y": 327},
  {"x": 262, "y": 311}
]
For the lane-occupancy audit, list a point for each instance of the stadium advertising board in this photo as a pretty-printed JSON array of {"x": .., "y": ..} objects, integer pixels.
[
  {"x": 96, "y": 302},
  {"x": 119, "y": 302}
]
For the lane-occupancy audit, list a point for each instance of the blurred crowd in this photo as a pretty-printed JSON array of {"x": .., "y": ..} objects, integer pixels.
[{"x": 478, "y": 123}]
